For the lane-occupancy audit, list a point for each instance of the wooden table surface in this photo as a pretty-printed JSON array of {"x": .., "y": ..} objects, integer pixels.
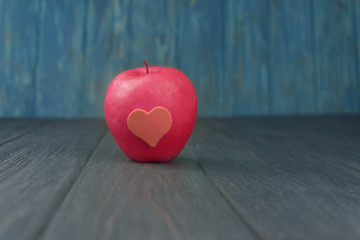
[{"x": 238, "y": 178}]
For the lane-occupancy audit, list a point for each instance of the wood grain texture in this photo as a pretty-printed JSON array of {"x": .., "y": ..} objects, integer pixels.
[
  {"x": 11, "y": 129},
  {"x": 237, "y": 178},
  {"x": 200, "y": 51},
  {"x": 18, "y": 26},
  {"x": 356, "y": 33},
  {"x": 108, "y": 51},
  {"x": 38, "y": 169},
  {"x": 336, "y": 54},
  {"x": 153, "y": 33},
  {"x": 293, "y": 87},
  {"x": 60, "y": 67},
  {"x": 116, "y": 198},
  {"x": 291, "y": 178},
  {"x": 245, "y": 80},
  {"x": 244, "y": 57}
]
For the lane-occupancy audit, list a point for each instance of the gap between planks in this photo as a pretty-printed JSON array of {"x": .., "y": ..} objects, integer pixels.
[
  {"x": 25, "y": 133},
  {"x": 61, "y": 201},
  {"x": 221, "y": 193}
]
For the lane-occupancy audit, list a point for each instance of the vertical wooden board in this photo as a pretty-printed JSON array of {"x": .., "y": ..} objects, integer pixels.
[
  {"x": 356, "y": 26},
  {"x": 37, "y": 171},
  {"x": 245, "y": 58},
  {"x": 116, "y": 198},
  {"x": 60, "y": 67},
  {"x": 107, "y": 51},
  {"x": 200, "y": 52},
  {"x": 18, "y": 25},
  {"x": 293, "y": 84},
  {"x": 335, "y": 53},
  {"x": 153, "y": 33}
]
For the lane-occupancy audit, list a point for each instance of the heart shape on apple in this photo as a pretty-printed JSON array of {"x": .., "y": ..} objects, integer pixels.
[
  {"x": 151, "y": 112},
  {"x": 150, "y": 126}
]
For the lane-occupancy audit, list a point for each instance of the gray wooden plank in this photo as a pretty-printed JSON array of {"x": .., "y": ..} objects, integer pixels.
[
  {"x": 201, "y": 53},
  {"x": 38, "y": 169},
  {"x": 108, "y": 51},
  {"x": 116, "y": 198},
  {"x": 18, "y": 26},
  {"x": 246, "y": 80},
  {"x": 293, "y": 83},
  {"x": 333, "y": 141},
  {"x": 331, "y": 145},
  {"x": 61, "y": 62},
  {"x": 288, "y": 179},
  {"x": 336, "y": 55},
  {"x": 11, "y": 129}
]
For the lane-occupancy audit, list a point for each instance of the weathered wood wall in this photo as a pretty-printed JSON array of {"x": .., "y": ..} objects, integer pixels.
[{"x": 244, "y": 57}]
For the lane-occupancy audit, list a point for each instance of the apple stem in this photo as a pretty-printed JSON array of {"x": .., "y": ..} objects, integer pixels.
[{"x": 147, "y": 66}]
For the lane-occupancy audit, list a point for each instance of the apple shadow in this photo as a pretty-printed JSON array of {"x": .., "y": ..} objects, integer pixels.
[{"x": 176, "y": 163}]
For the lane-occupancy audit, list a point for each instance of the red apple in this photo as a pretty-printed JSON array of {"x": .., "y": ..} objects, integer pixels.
[{"x": 151, "y": 112}]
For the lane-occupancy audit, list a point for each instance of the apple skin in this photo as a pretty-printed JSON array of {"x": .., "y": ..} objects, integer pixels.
[{"x": 136, "y": 89}]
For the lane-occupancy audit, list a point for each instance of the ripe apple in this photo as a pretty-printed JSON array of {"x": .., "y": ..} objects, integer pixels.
[{"x": 151, "y": 112}]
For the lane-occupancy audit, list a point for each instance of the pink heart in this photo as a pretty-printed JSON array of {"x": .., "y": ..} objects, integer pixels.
[{"x": 150, "y": 126}]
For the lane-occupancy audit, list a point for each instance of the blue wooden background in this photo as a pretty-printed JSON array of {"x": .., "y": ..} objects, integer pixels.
[{"x": 244, "y": 57}]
